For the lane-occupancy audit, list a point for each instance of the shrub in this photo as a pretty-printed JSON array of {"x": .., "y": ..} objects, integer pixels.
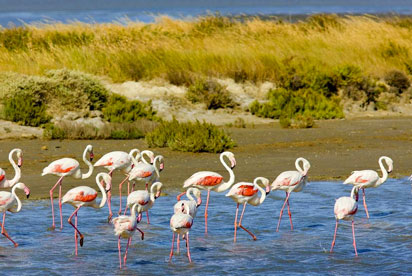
[
  {"x": 120, "y": 110},
  {"x": 189, "y": 137},
  {"x": 398, "y": 81},
  {"x": 211, "y": 93}
]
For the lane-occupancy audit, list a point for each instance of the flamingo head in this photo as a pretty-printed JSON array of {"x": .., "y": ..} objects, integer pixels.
[
  {"x": 23, "y": 187},
  {"x": 20, "y": 158},
  {"x": 198, "y": 195},
  {"x": 231, "y": 157},
  {"x": 91, "y": 156},
  {"x": 389, "y": 161},
  {"x": 355, "y": 193}
]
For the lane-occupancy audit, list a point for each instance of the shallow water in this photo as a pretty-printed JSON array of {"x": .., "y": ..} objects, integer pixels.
[{"x": 384, "y": 241}]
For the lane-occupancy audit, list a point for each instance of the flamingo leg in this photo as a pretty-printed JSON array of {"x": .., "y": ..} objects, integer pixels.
[
  {"x": 75, "y": 227},
  {"x": 207, "y": 204},
  {"x": 171, "y": 250},
  {"x": 290, "y": 215},
  {"x": 180, "y": 195},
  {"x": 237, "y": 211},
  {"x": 75, "y": 234},
  {"x": 51, "y": 198},
  {"x": 178, "y": 243},
  {"x": 120, "y": 254},
  {"x": 128, "y": 187},
  {"x": 4, "y": 232},
  {"x": 120, "y": 194},
  {"x": 281, "y": 210},
  {"x": 147, "y": 216},
  {"x": 334, "y": 236},
  {"x": 141, "y": 232},
  {"x": 240, "y": 223},
  {"x": 364, "y": 203},
  {"x": 354, "y": 240},
  {"x": 188, "y": 247},
  {"x": 125, "y": 208},
  {"x": 127, "y": 248},
  {"x": 109, "y": 198}
]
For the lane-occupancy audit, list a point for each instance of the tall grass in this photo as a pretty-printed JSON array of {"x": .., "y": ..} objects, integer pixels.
[{"x": 180, "y": 51}]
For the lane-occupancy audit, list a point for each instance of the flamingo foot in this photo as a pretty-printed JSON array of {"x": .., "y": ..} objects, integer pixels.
[
  {"x": 109, "y": 218},
  {"x": 81, "y": 240}
]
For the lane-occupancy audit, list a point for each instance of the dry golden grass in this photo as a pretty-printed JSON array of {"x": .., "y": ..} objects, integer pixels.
[{"x": 180, "y": 50}]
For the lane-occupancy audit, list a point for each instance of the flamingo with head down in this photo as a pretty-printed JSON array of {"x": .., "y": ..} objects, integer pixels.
[
  {"x": 370, "y": 179},
  {"x": 245, "y": 192},
  {"x": 85, "y": 196},
  {"x": 346, "y": 208},
  {"x": 8, "y": 202},
  {"x": 206, "y": 180},
  {"x": 67, "y": 167},
  {"x": 6, "y": 183},
  {"x": 291, "y": 181}
]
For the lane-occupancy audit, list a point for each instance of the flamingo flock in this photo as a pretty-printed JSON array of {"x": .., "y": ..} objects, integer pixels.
[{"x": 144, "y": 167}]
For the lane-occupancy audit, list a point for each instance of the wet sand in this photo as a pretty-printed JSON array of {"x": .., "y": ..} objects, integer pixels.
[{"x": 334, "y": 149}]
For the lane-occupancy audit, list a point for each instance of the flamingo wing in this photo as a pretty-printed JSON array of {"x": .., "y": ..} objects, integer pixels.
[
  {"x": 64, "y": 166},
  {"x": 361, "y": 178},
  {"x": 287, "y": 179},
  {"x": 180, "y": 221},
  {"x": 242, "y": 189},
  {"x": 140, "y": 197},
  {"x": 6, "y": 200},
  {"x": 122, "y": 225},
  {"x": 345, "y": 206},
  {"x": 114, "y": 160},
  {"x": 203, "y": 179},
  {"x": 80, "y": 194}
]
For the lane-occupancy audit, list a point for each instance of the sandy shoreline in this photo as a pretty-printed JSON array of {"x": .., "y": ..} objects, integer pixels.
[{"x": 334, "y": 148}]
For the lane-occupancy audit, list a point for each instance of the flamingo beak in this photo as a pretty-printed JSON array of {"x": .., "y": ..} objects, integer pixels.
[
  {"x": 233, "y": 163},
  {"x": 27, "y": 192},
  {"x": 161, "y": 167},
  {"x": 20, "y": 162},
  {"x": 151, "y": 160},
  {"x": 158, "y": 193},
  {"x": 199, "y": 202},
  {"x": 91, "y": 156},
  {"x": 267, "y": 190}
]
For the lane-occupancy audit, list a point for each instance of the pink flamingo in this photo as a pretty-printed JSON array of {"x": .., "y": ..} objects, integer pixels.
[
  {"x": 124, "y": 162},
  {"x": 206, "y": 180},
  {"x": 181, "y": 223},
  {"x": 7, "y": 203},
  {"x": 85, "y": 196},
  {"x": 64, "y": 167},
  {"x": 245, "y": 192},
  {"x": 124, "y": 227},
  {"x": 144, "y": 199},
  {"x": 345, "y": 208},
  {"x": 6, "y": 183},
  {"x": 192, "y": 204},
  {"x": 291, "y": 181},
  {"x": 369, "y": 178}
]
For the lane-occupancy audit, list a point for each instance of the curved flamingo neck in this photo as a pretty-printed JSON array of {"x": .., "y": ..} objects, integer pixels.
[
  {"x": 156, "y": 186},
  {"x": 88, "y": 163},
  {"x": 133, "y": 211},
  {"x": 13, "y": 192},
  {"x": 384, "y": 173},
  {"x": 226, "y": 185},
  {"x": 354, "y": 193},
  {"x": 262, "y": 191},
  {"x": 297, "y": 165},
  {"x": 17, "y": 171},
  {"x": 133, "y": 153},
  {"x": 157, "y": 160},
  {"x": 189, "y": 193},
  {"x": 102, "y": 190},
  {"x": 142, "y": 156}
]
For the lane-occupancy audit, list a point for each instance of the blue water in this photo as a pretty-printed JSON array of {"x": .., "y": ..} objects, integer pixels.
[
  {"x": 17, "y": 12},
  {"x": 384, "y": 241}
]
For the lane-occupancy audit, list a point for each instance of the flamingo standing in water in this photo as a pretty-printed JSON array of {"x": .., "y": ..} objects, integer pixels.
[
  {"x": 64, "y": 167},
  {"x": 144, "y": 199},
  {"x": 124, "y": 162},
  {"x": 192, "y": 204},
  {"x": 7, "y": 203},
  {"x": 6, "y": 183},
  {"x": 85, "y": 196},
  {"x": 124, "y": 227},
  {"x": 291, "y": 181},
  {"x": 206, "y": 180},
  {"x": 245, "y": 192},
  {"x": 181, "y": 223},
  {"x": 369, "y": 178},
  {"x": 345, "y": 208}
]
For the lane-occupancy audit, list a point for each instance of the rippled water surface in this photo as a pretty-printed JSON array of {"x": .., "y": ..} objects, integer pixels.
[{"x": 384, "y": 241}]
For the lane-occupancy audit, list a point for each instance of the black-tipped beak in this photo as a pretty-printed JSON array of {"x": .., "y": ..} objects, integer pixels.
[
  {"x": 28, "y": 195},
  {"x": 91, "y": 157},
  {"x": 390, "y": 171}
]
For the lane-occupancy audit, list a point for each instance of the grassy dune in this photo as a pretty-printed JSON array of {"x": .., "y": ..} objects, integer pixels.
[{"x": 180, "y": 51}]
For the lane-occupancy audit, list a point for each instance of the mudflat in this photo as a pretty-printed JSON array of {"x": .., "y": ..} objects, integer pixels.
[{"x": 334, "y": 148}]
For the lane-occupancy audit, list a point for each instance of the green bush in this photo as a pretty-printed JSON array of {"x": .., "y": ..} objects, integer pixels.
[
  {"x": 120, "y": 110},
  {"x": 53, "y": 132},
  {"x": 211, "y": 93},
  {"x": 288, "y": 103},
  {"x": 189, "y": 137},
  {"x": 398, "y": 81}
]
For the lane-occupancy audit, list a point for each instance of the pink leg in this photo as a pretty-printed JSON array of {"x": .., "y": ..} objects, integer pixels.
[
  {"x": 353, "y": 234},
  {"x": 281, "y": 210},
  {"x": 127, "y": 248},
  {"x": 188, "y": 247},
  {"x": 207, "y": 204},
  {"x": 51, "y": 199},
  {"x": 4, "y": 232},
  {"x": 75, "y": 234},
  {"x": 237, "y": 211},
  {"x": 75, "y": 227},
  {"x": 141, "y": 232},
  {"x": 125, "y": 208},
  {"x": 120, "y": 194},
  {"x": 290, "y": 215},
  {"x": 147, "y": 216},
  {"x": 178, "y": 243},
  {"x": 147, "y": 186},
  {"x": 120, "y": 253},
  {"x": 241, "y": 226},
  {"x": 364, "y": 204},
  {"x": 171, "y": 250},
  {"x": 60, "y": 206},
  {"x": 109, "y": 199},
  {"x": 180, "y": 195},
  {"x": 128, "y": 187},
  {"x": 334, "y": 236}
]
